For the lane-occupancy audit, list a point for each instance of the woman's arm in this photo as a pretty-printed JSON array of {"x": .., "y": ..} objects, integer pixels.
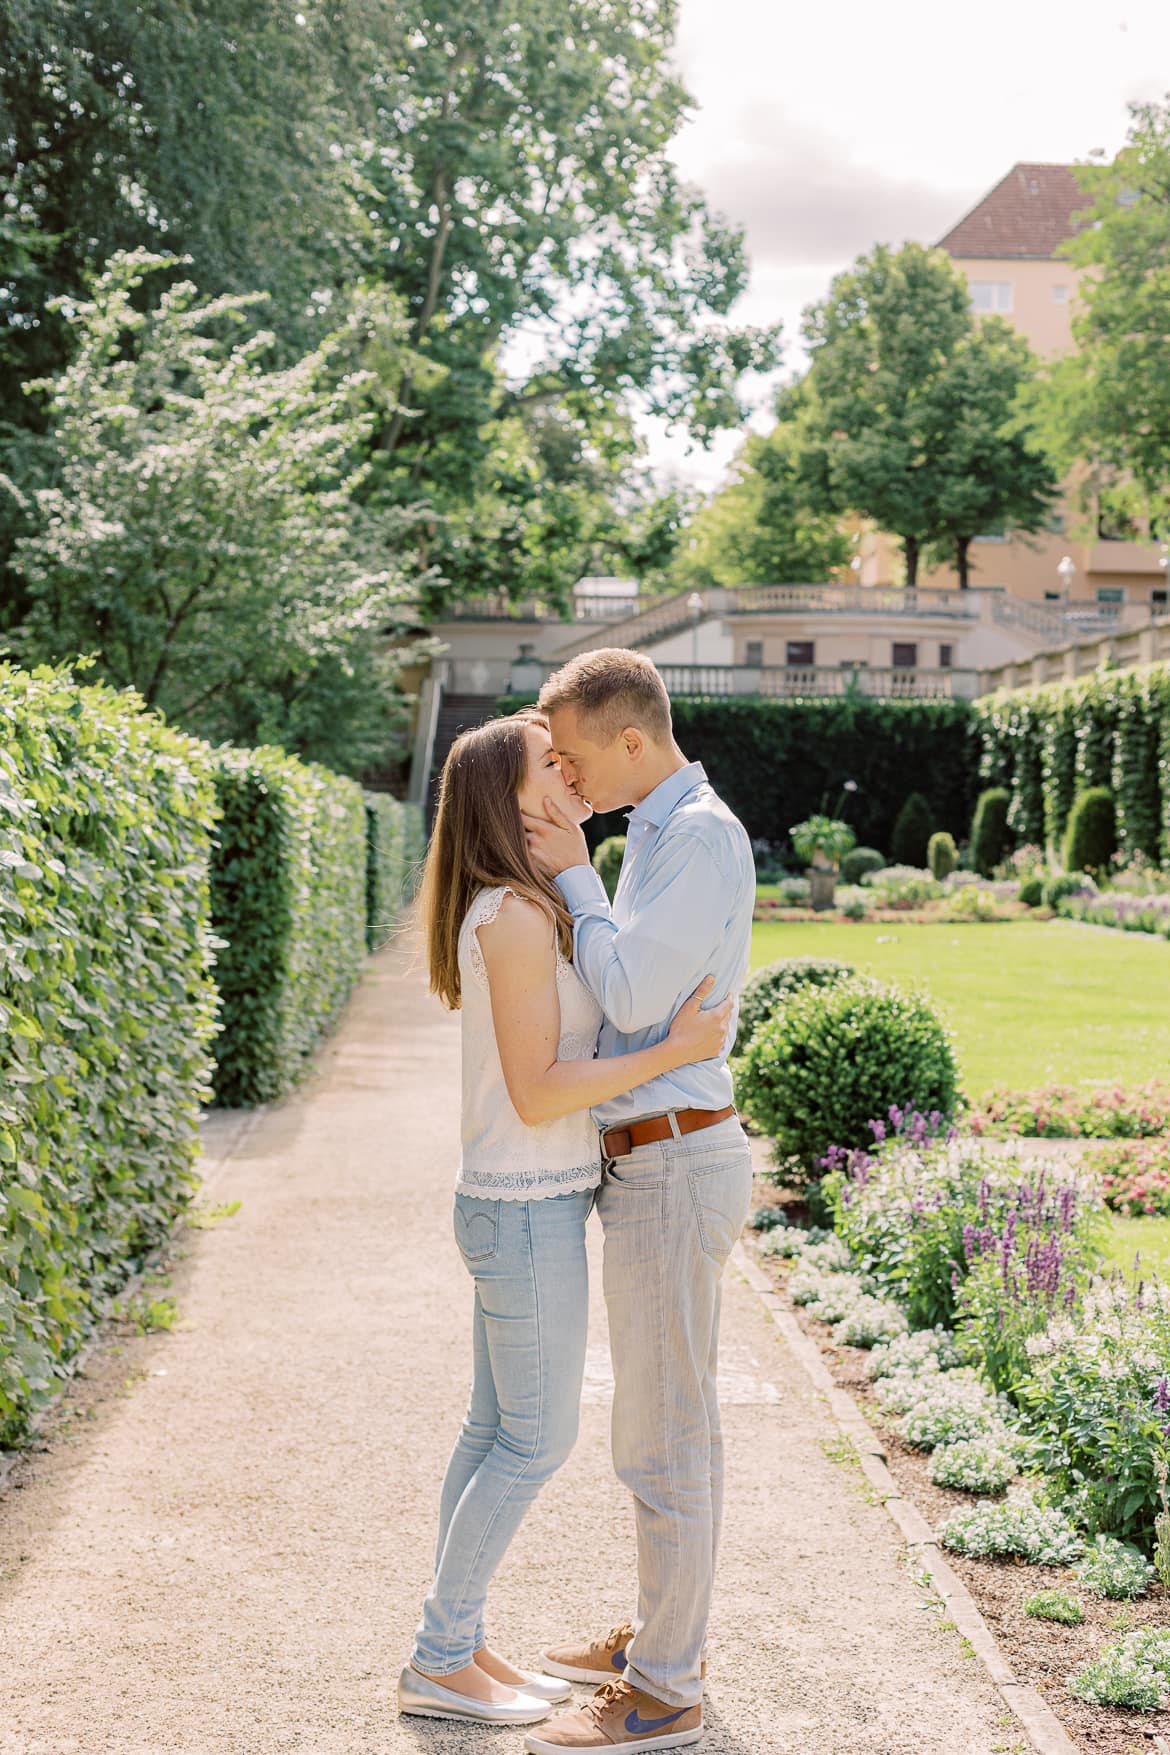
[{"x": 520, "y": 960}]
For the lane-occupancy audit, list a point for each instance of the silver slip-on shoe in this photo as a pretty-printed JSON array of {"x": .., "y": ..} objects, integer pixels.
[
  {"x": 548, "y": 1688},
  {"x": 426, "y": 1697}
]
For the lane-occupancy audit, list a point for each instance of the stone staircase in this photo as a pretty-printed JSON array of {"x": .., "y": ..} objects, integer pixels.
[{"x": 456, "y": 713}]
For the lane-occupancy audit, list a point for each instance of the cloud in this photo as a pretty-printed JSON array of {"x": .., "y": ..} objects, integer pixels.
[{"x": 807, "y": 201}]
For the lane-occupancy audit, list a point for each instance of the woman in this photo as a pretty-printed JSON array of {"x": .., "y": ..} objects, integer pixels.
[{"x": 500, "y": 944}]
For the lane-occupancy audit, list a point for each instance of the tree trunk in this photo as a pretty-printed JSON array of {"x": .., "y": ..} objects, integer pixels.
[
  {"x": 963, "y": 561},
  {"x": 910, "y": 549}
]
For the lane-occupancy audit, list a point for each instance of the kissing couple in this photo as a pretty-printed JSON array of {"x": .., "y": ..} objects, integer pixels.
[{"x": 595, "y": 1042}]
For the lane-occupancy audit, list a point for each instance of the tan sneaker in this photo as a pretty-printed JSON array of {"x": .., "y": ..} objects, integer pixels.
[
  {"x": 590, "y": 1660},
  {"x": 593, "y": 1660},
  {"x": 618, "y": 1717}
]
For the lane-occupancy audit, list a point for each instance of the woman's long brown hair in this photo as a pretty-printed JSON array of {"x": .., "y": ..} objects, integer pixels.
[{"x": 478, "y": 841}]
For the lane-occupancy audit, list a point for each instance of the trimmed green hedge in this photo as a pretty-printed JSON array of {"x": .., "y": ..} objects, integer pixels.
[
  {"x": 107, "y": 1007},
  {"x": 395, "y": 839},
  {"x": 776, "y": 762},
  {"x": 288, "y": 891},
  {"x": 1048, "y": 744}
]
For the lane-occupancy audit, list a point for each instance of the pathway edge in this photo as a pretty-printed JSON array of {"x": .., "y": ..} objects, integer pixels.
[{"x": 1044, "y": 1730}]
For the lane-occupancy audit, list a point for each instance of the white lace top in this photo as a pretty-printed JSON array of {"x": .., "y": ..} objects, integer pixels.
[{"x": 502, "y": 1157}]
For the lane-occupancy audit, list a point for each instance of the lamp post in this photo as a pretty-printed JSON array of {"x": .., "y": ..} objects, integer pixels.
[{"x": 696, "y": 606}]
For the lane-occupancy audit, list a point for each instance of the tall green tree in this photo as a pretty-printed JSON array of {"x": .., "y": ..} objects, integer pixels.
[
  {"x": 202, "y": 534},
  {"x": 769, "y": 525},
  {"x": 531, "y": 220},
  {"x": 879, "y": 343},
  {"x": 1106, "y": 406},
  {"x": 913, "y": 408},
  {"x": 994, "y": 471}
]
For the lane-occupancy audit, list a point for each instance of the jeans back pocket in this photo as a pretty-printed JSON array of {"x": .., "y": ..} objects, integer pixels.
[{"x": 477, "y": 1226}]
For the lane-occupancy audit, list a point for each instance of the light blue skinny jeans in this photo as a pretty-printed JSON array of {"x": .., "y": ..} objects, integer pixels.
[{"x": 527, "y": 1260}]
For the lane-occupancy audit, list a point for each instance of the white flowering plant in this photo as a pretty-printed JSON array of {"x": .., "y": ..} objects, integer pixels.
[
  {"x": 922, "y": 1350},
  {"x": 871, "y": 1321},
  {"x": 1020, "y": 1524},
  {"x": 975, "y": 1465},
  {"x": 1133, "y": 1671},
  {"x": 1115, "y": 1569}
]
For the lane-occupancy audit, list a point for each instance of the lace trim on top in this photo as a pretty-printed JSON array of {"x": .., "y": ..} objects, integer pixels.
[
  {"x": 482, "y": 912},
  {"x": 523, "y": 1184}
]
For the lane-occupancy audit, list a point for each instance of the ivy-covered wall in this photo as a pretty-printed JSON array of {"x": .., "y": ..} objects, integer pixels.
[{"x": 1110, "y": 729}]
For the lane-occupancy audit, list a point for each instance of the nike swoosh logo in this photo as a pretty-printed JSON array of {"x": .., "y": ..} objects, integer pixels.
[{"x": 640, "y": 1727}]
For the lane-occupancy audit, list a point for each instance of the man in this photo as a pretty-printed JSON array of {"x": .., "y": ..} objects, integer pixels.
[{"x": 677, "y": 1183}]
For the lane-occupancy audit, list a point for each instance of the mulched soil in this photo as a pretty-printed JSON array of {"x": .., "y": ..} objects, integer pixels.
[{"x": 1042, "y": 1653}]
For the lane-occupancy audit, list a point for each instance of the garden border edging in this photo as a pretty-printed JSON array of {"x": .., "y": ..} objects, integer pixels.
[{"x": 1048, "y": 1736}]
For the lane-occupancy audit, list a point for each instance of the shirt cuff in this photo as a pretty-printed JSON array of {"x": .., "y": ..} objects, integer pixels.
[{"x": 582, "y": 888}]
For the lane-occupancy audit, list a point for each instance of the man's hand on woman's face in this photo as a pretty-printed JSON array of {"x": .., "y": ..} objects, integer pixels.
[{"x": 554, "y": 843}]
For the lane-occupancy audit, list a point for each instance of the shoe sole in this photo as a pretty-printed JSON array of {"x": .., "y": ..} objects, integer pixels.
[
  {"x": 537, "y": 1745},
  {"x": 471, "y": 1718},
  {"x": 568, "y": 1673}
]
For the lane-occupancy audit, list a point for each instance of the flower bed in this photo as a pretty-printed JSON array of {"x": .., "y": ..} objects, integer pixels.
[
  {"x": 956, "y": 1296},
  {"x": 1135, "y": 1176},
  {"x": 1064, "y": 1112}
]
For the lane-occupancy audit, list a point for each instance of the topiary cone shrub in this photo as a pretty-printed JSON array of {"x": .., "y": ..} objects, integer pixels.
[
  {"x": 912, "y": 831},
  {"x": 989, "y": 830},
  {"x": 941, "y": 855},
  {"x": 607, "y": 862},
  {"x": 832, "y": 1058},
  {"x": 1090, "y": 840},
  {"x": 768, "y": 987}
]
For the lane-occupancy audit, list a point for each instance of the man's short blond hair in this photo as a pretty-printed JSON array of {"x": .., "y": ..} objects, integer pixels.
[{"x": 610, "y": 689}]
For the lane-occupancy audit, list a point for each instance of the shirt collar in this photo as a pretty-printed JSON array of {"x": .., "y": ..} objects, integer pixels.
[{"x": 658, "y": 804}]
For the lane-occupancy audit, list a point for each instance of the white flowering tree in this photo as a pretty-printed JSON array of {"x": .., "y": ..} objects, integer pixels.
[{"x": 200, "y": 530}]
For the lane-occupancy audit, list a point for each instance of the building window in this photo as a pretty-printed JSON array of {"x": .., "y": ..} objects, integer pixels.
[
  {"x": 1060, "y": 295},
  {"x": 1053, "y": 596},
  {"x": 944, "y": 657},
  {"x": 753, "y": 653},
  {"x": 991, "y": 295},
  {"x": 991, "y": 536},
  {"x": 1111, "y": 594},
  {"x": 1160, "y": 596},
  {"x": 905, "y": 655},
  {"x": 1055, "y": 523},
  {"x": 800, "y": 652}
]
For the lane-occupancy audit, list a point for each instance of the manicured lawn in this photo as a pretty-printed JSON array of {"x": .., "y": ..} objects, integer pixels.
[
  {"x": 1150, "y": 1238},
  {"x": 1030, "y": 1002}
]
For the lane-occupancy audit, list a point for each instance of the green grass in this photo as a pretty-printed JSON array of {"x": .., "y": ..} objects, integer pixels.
[
  {"x": 1030, "y": 1002},
  {"x": 1123, "y": 1238}
]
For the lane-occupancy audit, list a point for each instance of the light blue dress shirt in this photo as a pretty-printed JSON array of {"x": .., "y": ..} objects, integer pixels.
[{"x": 682, "y": 910}]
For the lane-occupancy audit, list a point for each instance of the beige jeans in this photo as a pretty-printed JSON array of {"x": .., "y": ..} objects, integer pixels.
[{"x": 671, "y": 1213}]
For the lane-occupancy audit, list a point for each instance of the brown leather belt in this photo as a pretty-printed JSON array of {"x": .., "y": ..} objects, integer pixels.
[{"x": 621, "y": 1140}]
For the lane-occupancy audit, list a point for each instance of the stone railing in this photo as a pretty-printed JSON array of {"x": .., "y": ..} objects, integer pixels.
[
  {"x": 890, "y": 682},
  {"x": 1125, "y": 650},
  {"x": 852, "y": 600}
]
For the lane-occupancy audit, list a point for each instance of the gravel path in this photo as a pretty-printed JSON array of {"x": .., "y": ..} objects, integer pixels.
[{"x": 224, "y": 1541}]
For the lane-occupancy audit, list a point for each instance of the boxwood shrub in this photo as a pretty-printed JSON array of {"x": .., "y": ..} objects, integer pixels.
[
  {"x": 288, "y": 886},
  {"x": 607, "y": 862},
  {"x": 833, "y": 1057},
  {"x": 764, "y": 990},
  {"x": 106, "y": 1007}
]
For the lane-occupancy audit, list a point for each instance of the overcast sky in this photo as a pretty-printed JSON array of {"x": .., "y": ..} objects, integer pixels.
[{"x": 827, "y": 126}]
